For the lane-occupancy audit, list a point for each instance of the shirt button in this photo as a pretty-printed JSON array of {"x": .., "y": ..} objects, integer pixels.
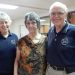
[
  {"x": 55, "y": 39},
  {"x": 56, "y": 34}
]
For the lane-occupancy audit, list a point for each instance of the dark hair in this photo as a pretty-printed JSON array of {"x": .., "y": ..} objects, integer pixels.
[
  {"x": 27, "y": 41},
  {"x": 32, "y": 16}
]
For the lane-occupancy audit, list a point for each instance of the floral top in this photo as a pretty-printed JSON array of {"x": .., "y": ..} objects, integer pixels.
[{"x": 32, "y": 56}]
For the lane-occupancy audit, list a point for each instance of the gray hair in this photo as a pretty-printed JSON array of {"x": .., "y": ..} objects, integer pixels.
[
  {"x": 59, "y": 4},
  {"x": 5, "y": 17},
  {"x": 32, "y": 16}
]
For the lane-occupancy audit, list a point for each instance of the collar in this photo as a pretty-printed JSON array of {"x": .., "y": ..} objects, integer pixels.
[
  {"x": 1, "y": 36},
  {"x": 37, "y": 38},
  {"x": 64, "y": 29}
]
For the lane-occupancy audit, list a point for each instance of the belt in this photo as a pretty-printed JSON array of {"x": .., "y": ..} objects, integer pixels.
[
  {"x": 66, "y": 69},
  {"x": 58, "y": 68}
]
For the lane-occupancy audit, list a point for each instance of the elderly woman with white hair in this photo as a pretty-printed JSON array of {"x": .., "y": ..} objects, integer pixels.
[
  {"x": 61, "y": 42},
  {"x": 8, "y": 42}
]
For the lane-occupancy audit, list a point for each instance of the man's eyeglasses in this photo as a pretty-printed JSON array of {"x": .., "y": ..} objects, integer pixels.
[
  {"x": 57, "y": 13},
  {"x": 3, "y": 22}
]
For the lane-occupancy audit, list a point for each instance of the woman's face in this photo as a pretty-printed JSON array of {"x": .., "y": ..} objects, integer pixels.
[
  {"x": 58, "y": 16},
  {"x": 31, "y": 26}
]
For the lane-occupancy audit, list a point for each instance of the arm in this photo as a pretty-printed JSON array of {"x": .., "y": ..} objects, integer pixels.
[{"x": 16, "y": 61}]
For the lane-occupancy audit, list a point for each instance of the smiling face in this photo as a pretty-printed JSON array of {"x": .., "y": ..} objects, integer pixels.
[
  {"x": 5, "y": 21},
  {"x": 58, "y": 16},
  {"x": 4, "y": 27},
  {"x": 31, "y": 26},
  {"x": 32, "y": 22}
]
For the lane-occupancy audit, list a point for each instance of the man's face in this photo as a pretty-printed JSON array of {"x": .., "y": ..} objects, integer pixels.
[
  {"x": 31, "y": 26},
  {"x": 4, "y": 27},
  {"x": 58, "y": 16}
]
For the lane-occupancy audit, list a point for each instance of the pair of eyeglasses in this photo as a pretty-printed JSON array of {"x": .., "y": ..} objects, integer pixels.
[
  {"x": 57, "y": 13},
  {"x": 3, "y": 22}
]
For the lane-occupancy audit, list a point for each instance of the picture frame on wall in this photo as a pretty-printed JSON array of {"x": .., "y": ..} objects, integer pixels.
[{"x": 23, "y": 30}]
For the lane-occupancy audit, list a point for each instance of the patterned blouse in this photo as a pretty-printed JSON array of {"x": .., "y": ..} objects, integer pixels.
[{"x": 32, "y": 56}]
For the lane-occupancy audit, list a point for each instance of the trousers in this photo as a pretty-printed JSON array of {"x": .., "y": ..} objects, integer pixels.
[{"x": 51, "y": 71}]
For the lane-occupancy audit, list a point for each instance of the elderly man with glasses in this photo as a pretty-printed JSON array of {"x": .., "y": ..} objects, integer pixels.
[{"x": 61, "y": 42}]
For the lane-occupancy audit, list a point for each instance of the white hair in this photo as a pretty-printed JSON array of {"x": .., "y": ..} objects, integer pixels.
[
  {"x": 5, "y": 17},
  {"x": 58, "y": 4}
]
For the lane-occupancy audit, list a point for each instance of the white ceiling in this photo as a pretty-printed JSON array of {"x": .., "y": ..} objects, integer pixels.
[{"x": 41, "y": 7}]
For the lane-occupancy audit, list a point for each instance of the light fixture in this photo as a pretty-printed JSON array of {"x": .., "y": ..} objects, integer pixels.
[
  {"x": 42, "y": 20},
  {"x": 7, "y": 6}
]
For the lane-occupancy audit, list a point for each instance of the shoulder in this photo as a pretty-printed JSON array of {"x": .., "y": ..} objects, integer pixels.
[
  {"x": 13, "y": 35},
  {"x": 71, "y": 29},
  {"x": 71, "y": 26},
  {"x": 24, "y": 39},
  {"x": 51, "y": 31},
  {"x": 43, "y": 36},
  {"x": 21, "y": 41}
]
